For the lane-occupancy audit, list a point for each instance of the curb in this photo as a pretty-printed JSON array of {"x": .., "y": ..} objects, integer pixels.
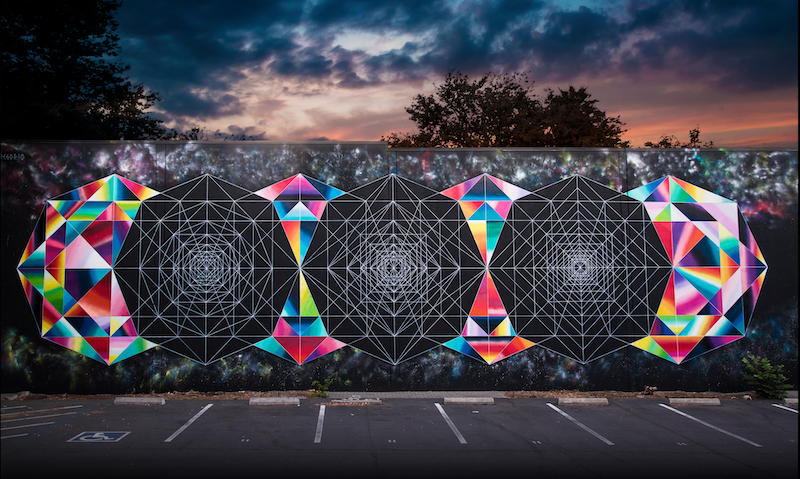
[
  {"x": 12, "y": 396},
  {"x": 694, "y": 402},
  {"x": 473, "y": 401},
  {"x": 274, "y": 401},
  {"x": 355, "y": 402},
  {"x": 583, "y": 401},
  {"x": 148, "y": 401},
  {"x": 790, "y": 401}
]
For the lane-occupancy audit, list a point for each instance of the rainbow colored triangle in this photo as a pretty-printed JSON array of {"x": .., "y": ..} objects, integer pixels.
[
  {"x": 300, "y": 202},
  {"x": 300, "y": 334},
  {"x": 485, "y": 201}
]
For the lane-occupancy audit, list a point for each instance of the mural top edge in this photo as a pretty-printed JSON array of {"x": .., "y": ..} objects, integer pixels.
[
  {"x": 385, "y": 144},
  {"x": 199, "y": 142}
]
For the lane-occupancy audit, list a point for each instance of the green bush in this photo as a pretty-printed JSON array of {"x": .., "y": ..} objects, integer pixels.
[
  {"x": 767, "y": 380},
  {"x": 321, "y": 388}
]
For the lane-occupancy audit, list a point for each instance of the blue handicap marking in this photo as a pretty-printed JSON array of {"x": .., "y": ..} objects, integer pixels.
[{"x": 99, "y": 436}]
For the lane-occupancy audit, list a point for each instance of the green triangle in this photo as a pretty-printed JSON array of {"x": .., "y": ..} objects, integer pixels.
[
  {"x": 678, "y": 194},
  {"x": 664, "y": 215},
  {"x": 307, "y": 305}
]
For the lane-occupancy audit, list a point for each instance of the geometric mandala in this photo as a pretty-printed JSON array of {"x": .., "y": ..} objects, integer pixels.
[
  {"x": 197, "y": 269},
  {"x": 67, "y": 270},
  {"x": 403, "y": 268},
  {"x": 717, "y": 270},
  {"x": 590, "y": 263}
]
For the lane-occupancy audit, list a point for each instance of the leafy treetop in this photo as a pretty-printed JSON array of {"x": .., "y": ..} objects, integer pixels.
[{"x": 501, "y": 110}]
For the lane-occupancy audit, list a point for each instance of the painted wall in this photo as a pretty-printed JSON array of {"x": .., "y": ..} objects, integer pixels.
[{"x": 508, "y": 288}]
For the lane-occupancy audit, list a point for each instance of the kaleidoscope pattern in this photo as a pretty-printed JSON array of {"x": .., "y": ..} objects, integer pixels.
[
  {"x": 300, "y": 334},
  {"x": 717, "y": 270},
  {"x": 197, "y": 269},
  {"x": 67, "y": 270},
  {"x": 488, "y": 333},
  {"x": 402, "y": 263},
  {"x": 301, "y": 269}
]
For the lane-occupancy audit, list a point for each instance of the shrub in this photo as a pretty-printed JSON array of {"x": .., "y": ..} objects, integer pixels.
[
  {"x": 321, "y": 388},
  {"x": 767, "y": 380}
]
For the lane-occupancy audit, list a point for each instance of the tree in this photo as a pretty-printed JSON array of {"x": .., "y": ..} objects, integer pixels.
[
  {"x": 671, "y": 141},
  {"x": 58, "y": 79},
  {"x": 489, "y": 111},
  {"x": 501, "y": 110},
  {"x": 572, "y": 119}
]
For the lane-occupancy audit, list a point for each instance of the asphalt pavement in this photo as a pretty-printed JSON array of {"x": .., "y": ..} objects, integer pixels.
[{"x": 419, "y": 437}]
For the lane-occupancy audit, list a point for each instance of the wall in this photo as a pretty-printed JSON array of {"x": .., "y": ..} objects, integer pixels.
[{"x": 763, "y": 183}]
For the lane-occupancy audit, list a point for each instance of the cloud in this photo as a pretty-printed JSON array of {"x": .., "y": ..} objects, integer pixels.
[{"x": 198, "y": 54}]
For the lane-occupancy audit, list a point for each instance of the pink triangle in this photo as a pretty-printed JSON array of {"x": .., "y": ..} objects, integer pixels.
[
  {"x": 727, "y": 214},
  {"x": 283, "y": 329},
  {"x": 471, "y": 328},
  {"x": 457, "y": 192},
  {"x": 118, "y": 306},
  {"x": 80, "y": 255},
  {"x": 271, "y": 192}
]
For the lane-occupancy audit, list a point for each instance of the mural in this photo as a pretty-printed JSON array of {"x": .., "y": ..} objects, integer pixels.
[
  {"x": 531, "y": 275},
  {"x": 66, "y": 269}
]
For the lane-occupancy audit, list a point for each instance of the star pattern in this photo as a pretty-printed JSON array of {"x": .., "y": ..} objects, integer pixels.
[
  {"x": 198, "y": 269},
  {"x": 586, "y": 263}
]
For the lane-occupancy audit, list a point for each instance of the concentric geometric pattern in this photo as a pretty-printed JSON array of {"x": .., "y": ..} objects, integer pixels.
[
  {"x": 67, "y": 269},
  {"x": 197, "y": 269},
  {"x": 718, "y": 270},
  {"x": 300, "y": 334},
  {"x": 488, "y": 333},
  {"x": 300, "y": 269},
  {"x": 402, "y": 265},
  {"x": 588, "y": 264}
]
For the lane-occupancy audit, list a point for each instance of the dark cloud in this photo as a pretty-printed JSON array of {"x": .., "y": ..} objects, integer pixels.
[
  {"x": 183, "y": 103},
  {"x": 733, "y": 45},
  {"x": 192, "y": 51}
]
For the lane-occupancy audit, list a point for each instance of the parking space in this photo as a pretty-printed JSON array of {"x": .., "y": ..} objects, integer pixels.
[{"x": 623, "y": 439}]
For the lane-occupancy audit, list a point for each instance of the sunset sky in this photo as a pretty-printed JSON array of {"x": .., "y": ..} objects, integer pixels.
[{"x": 345, "y": 70}]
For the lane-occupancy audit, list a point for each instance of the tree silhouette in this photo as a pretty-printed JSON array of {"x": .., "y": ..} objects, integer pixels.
[
  {"x": 501, "y": 110},
  {"x": 671, "y": 141},
  {"x": 58, "y": 79}
]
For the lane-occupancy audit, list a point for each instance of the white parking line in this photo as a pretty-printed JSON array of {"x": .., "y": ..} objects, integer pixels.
[
  {"x": 15, "y": 435},
  {"x": 26, "y": 425},
  {"x": 787, "y": 408},
  {"x": 579, "y": 424},
  {"x": 450, "y": 423},
  {"x": 183, "y": 428},
  {"x": 711, "y": 426},
  {"x": 38, "y": 417},
  {"x": 320, "y": 421},
  {"x": 6, "y": 408},
  {"x": 33, "y": 411}
]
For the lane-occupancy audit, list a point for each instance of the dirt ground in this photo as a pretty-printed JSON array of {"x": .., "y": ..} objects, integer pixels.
[{"x": 246, "y": 395}]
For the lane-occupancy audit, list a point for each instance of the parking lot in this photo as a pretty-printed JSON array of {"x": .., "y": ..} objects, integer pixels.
[{"x": 400, "y": 437}]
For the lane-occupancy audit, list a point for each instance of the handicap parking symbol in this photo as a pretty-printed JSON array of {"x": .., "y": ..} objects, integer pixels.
[{"x": 99, "y": 436}]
